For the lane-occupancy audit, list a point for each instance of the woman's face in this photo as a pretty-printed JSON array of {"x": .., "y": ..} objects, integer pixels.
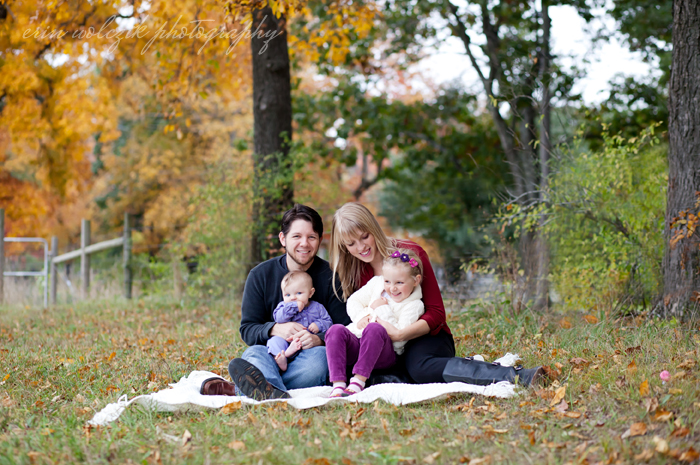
[{"x": 362, "y": 247}]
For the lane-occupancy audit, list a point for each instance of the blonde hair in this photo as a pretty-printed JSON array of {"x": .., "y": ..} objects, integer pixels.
[
  {"x": 349, "y": 222},
  {"x": 397, "y": 261},
  {"x": 296, "y": 275}
]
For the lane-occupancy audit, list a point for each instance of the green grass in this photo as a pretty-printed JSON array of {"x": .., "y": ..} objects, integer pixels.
[{"x": 59, "y": 367}]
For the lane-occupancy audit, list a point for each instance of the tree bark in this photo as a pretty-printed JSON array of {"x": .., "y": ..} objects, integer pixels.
[
  {"x": 545, "y": 146},
  {"x": 272, "y": 113},
  {"x": 681, "y": 261}
]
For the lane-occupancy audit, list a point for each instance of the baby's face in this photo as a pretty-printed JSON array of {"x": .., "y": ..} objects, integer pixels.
[
  {"x": 297, "y": 290},
  {"x": 398, "y": 282}
]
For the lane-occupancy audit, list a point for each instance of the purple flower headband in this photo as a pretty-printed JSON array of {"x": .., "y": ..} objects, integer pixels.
[{"x": 404, "y": 258}]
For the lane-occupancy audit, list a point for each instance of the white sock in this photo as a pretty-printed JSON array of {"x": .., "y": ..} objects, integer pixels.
[
  {"x": 354, "y": 383},
  {"x": 338, "y": 387}
]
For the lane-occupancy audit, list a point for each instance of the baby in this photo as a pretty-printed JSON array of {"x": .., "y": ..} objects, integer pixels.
[{"x": 297, "y": 290}]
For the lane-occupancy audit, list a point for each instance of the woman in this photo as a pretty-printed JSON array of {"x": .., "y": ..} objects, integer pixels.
[{"x": 358, "y": 247}]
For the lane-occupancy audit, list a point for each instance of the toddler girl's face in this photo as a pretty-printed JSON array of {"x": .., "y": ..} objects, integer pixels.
[
  {"x": 398, "y": 282},
  {"x": 297, "y": 290}
]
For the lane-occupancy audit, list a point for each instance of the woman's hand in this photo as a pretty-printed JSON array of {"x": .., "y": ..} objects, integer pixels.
[
  {"x": 306, "y": 339},
  {"x": 393, "y": 332},
  {"x": 286, "y": 330},
  {"x": 364, "y": 321}
]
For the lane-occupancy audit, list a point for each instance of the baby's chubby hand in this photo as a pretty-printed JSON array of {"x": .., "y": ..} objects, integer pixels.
[
  {"x": 313, "y": 328},
  {"x": 379, "y": 302}
]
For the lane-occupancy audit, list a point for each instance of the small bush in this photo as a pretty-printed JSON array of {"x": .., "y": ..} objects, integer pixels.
[{"x": 605, "y": 222}]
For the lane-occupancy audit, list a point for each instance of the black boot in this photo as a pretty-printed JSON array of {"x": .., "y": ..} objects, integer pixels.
[
  {"x": 252, "y": 382},
  {"x": 467, "y": 370}
]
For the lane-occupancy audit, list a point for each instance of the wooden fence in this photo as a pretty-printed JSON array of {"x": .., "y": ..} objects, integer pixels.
[{"x": 84, "y": 252}]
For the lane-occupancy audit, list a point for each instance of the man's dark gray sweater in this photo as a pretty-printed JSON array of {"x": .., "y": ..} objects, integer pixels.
[{"x": 262, "y": 293}]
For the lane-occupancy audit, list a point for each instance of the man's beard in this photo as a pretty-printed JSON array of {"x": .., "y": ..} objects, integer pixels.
[{"x": 308, "y": 262}]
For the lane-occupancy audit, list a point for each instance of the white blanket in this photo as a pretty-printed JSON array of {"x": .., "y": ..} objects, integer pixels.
[{"x": 184, "y": 395}]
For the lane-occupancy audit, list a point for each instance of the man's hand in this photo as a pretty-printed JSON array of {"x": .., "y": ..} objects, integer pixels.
[
  {"x": 286, "y": 330},
  {"x": 307, "y": 339},
  {"x": 313, "y": 328},
  {"x": 364, "y": 321},
  {"x": 379, "y": 302}
]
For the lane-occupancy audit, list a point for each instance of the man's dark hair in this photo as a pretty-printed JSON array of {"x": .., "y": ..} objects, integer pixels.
[{"x": 302, "y": 212}]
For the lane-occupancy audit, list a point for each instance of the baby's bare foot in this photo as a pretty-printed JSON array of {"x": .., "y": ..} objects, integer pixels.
[
  {"x": 281, "y": 360},
  {"x": 294, "y": 347}
]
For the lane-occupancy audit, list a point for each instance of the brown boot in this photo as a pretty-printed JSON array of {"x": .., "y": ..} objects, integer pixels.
[{"x": 217, "y": 387}]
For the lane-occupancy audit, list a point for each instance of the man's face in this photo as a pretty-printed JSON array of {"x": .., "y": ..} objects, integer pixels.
[{"x": 302, "y": 244}]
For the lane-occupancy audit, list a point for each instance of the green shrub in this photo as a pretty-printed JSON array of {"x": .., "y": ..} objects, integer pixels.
[
  {"x": 218, "y": 237},
  {"x": 605, "y": 222}
]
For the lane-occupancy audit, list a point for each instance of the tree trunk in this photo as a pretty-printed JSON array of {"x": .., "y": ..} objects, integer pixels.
[
  {"x": 272, "y": 112},
  {"x": 681, "y": 261},
  {"x": 542, "y": 285}
]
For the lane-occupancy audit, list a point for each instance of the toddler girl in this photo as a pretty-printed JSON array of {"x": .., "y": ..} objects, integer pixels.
[
  {"x": 394, "y": 297},
  {"x": 297, "y": 290}
]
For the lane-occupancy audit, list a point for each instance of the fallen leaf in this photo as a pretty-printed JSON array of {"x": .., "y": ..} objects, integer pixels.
[
  {"x": 686, "y": 365},
  {"x": 531, "y": 437},
  {"x": 680, "y": 432},
  {"x": 663, "y": 415},
  {"x": 651, "y": 404},
  {"x": 644, "y": 456},
  {"x": 232, "y": 407},
  {"x": 406, "y": 432},
  {"x": 661, "y": 445},
  {"x": 550, "y": 372},
  {"x": 431, "y": 458},
  {"x": 675, "y": 391},
  {"x": 590, "y": 319},
  {"x": 621, "y": 382},
  {"x": 631, "y": 350},
  {"x": 480, "y": 461},
  {"x": 558, "y": 396},
  {"x": 561, "y": 407},
  {"x": 644, "y": 388},
  {"x": 690, "y": 455},
  {"x": 578, "y": 361},
  {"x": 236, "y": 445},
  {"x": 186, "y": 437},
  {"x": 319, "y": 461},
  {"x": 679, "y": 375},
  {"x": 579, "y": 450},
  {"x": 636, "y": 429},
  {"x": 595, "y": 388},
  {"x": 565, "y": 323},
  {"x": 631, "y": 368},
  {"x": 573, "y": 414}
]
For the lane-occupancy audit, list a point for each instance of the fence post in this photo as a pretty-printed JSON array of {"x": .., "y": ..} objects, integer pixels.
[
  {"x": 127, "y": 257},
  {"x": 85, "y": 257},
  {"x": 2, "y": 256},
  {"x": 54, "y": 269}
]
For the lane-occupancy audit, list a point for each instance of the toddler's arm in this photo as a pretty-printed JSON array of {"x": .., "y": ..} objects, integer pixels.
[
  {"x": 323, "y": 321},
  {"x": 358, "y": 303},
  {"x": 285, "y": 311},
  {"x": 384, "y": 312}
]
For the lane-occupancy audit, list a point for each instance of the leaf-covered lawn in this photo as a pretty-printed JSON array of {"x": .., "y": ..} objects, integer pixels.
[{"x": 58, "y": 367}]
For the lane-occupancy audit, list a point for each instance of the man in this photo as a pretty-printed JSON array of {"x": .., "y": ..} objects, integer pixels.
[{"x": 256, "y": 373}]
